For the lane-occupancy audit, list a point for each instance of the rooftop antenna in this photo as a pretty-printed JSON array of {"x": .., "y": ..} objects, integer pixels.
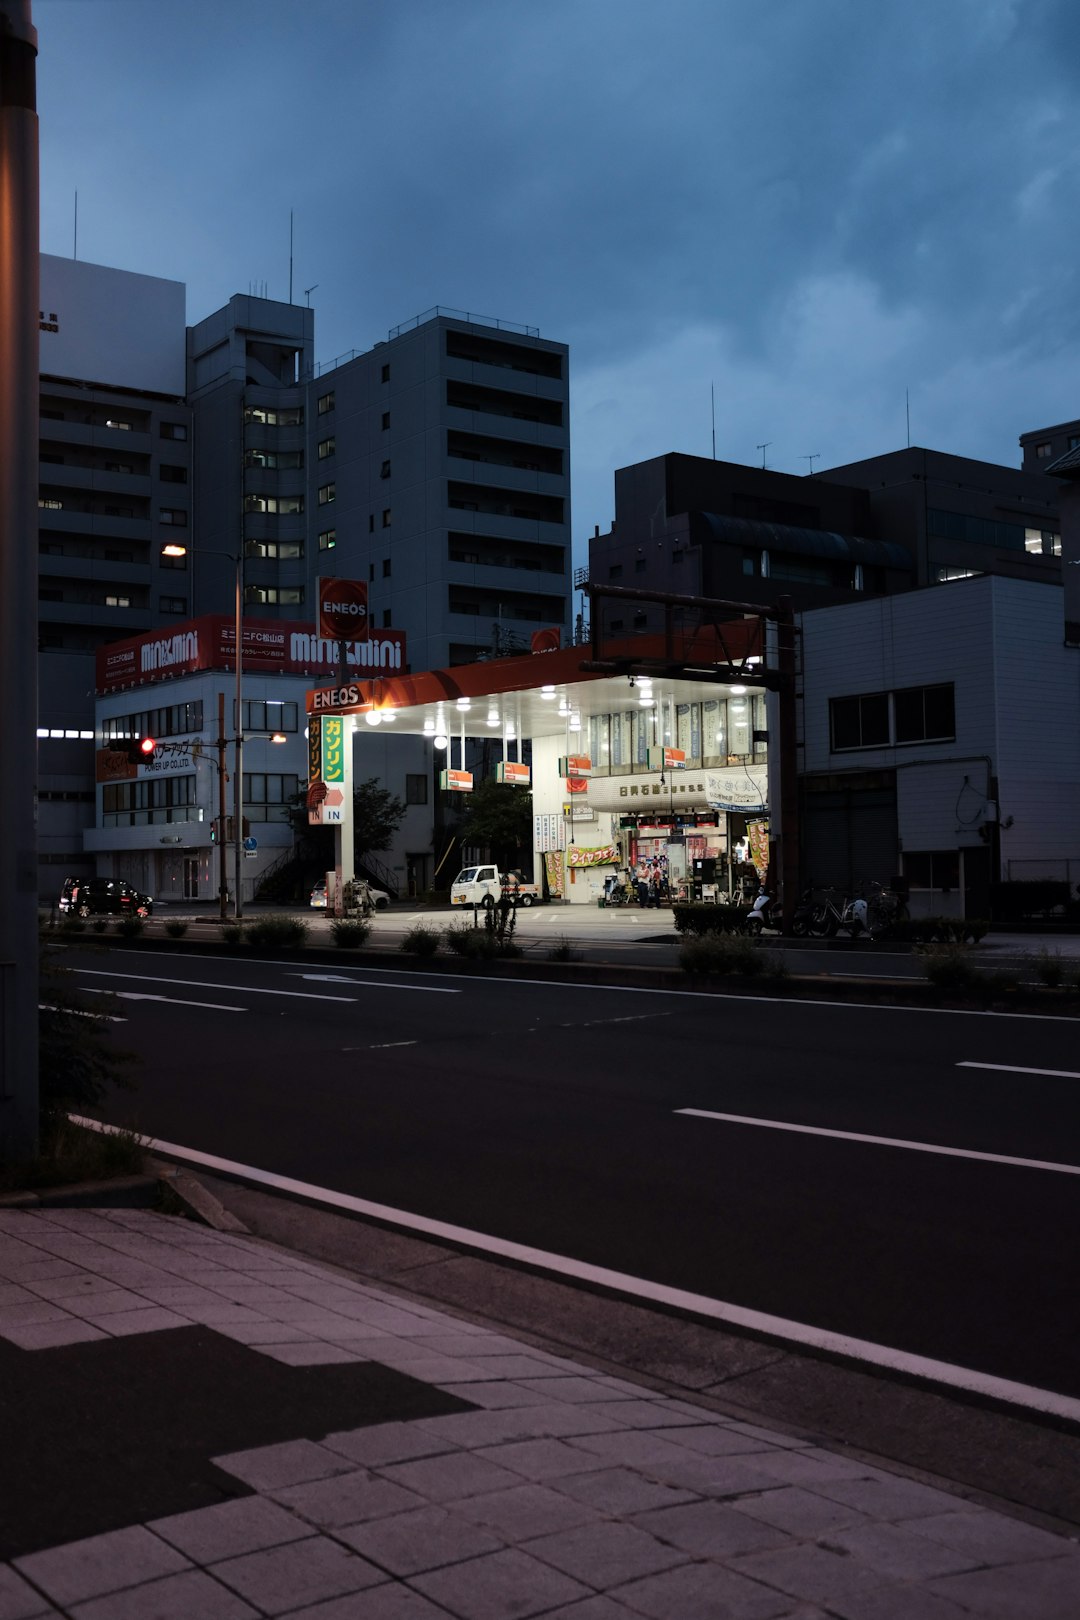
[
  {"x": 763, "y": 448},
  {"x": 75, "y": 244},
  {"x": 308, "y": 292},
  {"x": 712, "y": 398},
  {"x": 811, "y": 459},
  {"x": 290, "y": 252}
]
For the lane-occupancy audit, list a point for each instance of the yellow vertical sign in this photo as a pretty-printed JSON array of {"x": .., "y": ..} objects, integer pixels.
[{"x": 333, "y": 750}]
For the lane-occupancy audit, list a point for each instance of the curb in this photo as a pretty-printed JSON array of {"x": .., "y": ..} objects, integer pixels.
[{"x": 125, "y": 1192}]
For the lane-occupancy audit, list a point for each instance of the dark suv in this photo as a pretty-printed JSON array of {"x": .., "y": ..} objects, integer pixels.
[{"x": 84, "y": 896}]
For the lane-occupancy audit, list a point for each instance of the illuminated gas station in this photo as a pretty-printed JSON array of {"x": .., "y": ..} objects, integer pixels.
[{"x": 662, "y": 751}]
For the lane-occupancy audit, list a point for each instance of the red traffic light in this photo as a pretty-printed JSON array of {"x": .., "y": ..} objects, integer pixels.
[{"x": 147, "y": 745}]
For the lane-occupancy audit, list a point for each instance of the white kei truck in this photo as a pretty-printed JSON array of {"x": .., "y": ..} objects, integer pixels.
[{"x": 483, "y": 885}]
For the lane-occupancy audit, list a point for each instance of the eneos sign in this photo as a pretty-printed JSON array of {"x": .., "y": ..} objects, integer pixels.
[{"x": 343, "y": 609}]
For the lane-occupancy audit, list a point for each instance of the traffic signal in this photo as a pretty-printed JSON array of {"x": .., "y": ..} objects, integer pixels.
[{"x": 139, "y": 750}]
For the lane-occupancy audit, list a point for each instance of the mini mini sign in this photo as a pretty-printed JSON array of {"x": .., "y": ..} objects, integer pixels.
[
  {"x": 575, "y": 765},
  {"x": 508, "y": 770}
]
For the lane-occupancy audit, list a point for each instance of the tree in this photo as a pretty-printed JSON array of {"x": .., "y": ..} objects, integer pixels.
[
  {"x": 499, "y": 818},
  {"x": 377, "y": 814}
]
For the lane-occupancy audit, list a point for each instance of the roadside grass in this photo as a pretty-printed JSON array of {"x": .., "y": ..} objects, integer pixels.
[
  {"x": 421, "y": 940},
  {"x": 70, "y": 1153}
]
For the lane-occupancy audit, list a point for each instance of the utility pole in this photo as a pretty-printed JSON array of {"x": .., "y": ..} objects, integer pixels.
[{"x": 18, "y": 581}]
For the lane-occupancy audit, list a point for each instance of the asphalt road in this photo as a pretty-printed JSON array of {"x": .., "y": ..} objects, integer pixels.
[{"x": 555, "y": 1117}]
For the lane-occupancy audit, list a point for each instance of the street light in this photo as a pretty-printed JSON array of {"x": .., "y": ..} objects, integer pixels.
[{"x": 174, "y": 550}]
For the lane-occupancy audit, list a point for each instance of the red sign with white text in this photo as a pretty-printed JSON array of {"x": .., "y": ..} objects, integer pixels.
[
  {"x": 343, "y": 608},
  {"x": 271, "y": 646}
]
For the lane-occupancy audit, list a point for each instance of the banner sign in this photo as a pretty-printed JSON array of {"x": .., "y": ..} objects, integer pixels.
[
  {"x": 271, "y": 646},
  {"x": 575, "y": 765},
  {"x": 667, "y": 759},
  {"x": 738, "y": 787},
  {"x": 549, "y": 833},
  {"x": 343, "y": 609},
  {"x": 508, "y": 770},
  {"x": 456, "y": 781},
  {"x": 600, "y": 855}
]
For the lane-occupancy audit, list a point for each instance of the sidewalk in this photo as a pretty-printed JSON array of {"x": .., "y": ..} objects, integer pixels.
[{"x": 199, "y": 1426}]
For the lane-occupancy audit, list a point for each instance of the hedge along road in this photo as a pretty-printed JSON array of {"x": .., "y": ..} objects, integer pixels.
[{"x": 554, "y": 1117}]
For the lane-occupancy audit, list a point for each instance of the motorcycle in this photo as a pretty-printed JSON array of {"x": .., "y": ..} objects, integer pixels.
[{"x": 765, "y": 916}]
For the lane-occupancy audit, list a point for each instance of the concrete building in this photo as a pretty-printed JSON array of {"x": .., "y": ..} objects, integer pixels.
[
  {"x": 940, "y": 739},
  {"x": 872, "y": 528},
  {"x": 435, "y": 466},
  {"x": 1042, "y": 446}
]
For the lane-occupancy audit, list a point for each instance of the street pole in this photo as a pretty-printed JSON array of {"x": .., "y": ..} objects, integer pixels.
[
  {"x": 223, "y": 875},
  {"x": 19, "y": 294},
  {"x": 238, "y": 780}
]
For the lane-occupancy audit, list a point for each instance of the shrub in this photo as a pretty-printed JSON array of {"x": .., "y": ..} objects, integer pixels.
[
  {"x": 175, "y": 928},
  {"x": 100, "y": 925},
  {"x": 70, "y": 924},
  {"x": 233, "y": 933},
  {"x": 477, "y": 944},
  {"x": 694, "y": 919},
  {"x": 949, "y": 967},
  {"x": 349, "y": 933},
  {"x": 421, "y": 941},
  {"x": 277, "y": 931},
  {"x": 563, "y": 951},
  {"x": 130, "y": 927},
  {"x": 714, "y": 953},
  {"x": 939, "y": 930},
  {"x": 77, "y": 1060},
  {"x": 1049, "y": 968}
]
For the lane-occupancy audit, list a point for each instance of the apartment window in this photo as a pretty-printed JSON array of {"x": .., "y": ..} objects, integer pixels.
[
  {"x": 925, "y": 714},
  {"x": 386, "y": 618},
  {"x": 860, "y": 722},
  {"x": 370, "y": 571},
  {"x": 386, "y": 373},
  {"x": 118, "y": 601},
  {"x": 615, "y": 571},
  {"x": 386, "y": 568},
  {"x": 326, "y": 403},
  {"x": 386, "y": 517},
  {"x": 1043, "y": 450},
  {"x": 275, "y": 460},
  {"x": 932, "y": 869},
  {"x": 115, "y": 467},
  {"x": 274, "y": 505},
  {"x": 945, "y": 574},
  {"x": 261, "y": 714},
  {"x": 118, "y": 423},
  {"x": 169, "y": 474},
  {"x": 384, "y": 470},
  {"x": 276, "y": 550},
  {"x": 173, "y": 515},
  {"x": 258, "y": 594},
  {"x": 173, "y": 430},
  {"x": 290, "y": 416},
  {"x": 385, "y": 420},
  {"x": 172, "y": 604},
  {"x": 327, "y": 447},
  {"x": 327, "y": 493},
  {"x": 328, "y": 540},
  {"x": 172, "y": 562},
  {"x": 1043, "y": 542},
  {"x": 50, "y": 504},
  {"x": 268, "y": 796},
  {"x": 416, "y": 789}
]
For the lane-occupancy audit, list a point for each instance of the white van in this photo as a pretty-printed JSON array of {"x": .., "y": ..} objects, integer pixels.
[{"x": 476, "y": 886}]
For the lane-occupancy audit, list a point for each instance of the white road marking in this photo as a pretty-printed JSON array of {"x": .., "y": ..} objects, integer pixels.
[
  {"x": 173, "y": 1001},
  {"x": 382, "y": 1046},
  {"x": 376, "y": 984},
  {"x": 1015, "y": 1068},
  {"x": 884, "y": 1141},
  {"x": 201, "y": 984},
  {"x": 83, "y": 1012},
  {"x": 717, "y": 1310},
  {"x": 629, "y": 1018}
]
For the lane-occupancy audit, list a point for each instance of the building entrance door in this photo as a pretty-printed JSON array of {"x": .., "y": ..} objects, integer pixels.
[{"x": 191, "y": 877}]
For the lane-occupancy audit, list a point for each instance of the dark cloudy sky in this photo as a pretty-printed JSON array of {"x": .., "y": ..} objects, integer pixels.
[{"x": 813, "y": 204}]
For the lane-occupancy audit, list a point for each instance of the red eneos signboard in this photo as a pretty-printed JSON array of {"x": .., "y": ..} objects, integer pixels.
[{"x": 343, "y": 609}]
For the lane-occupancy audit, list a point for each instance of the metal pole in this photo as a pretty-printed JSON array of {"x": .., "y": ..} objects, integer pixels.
[
  {"x": 19, "y": 292},
  {"x": 223, "y": 873},
  {"x": 238, "y": 780}
]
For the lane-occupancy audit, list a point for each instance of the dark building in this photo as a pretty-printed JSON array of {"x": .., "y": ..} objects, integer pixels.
[
  {"x": 891, "y": 523},
  {"x": 1043, "y": 445}
]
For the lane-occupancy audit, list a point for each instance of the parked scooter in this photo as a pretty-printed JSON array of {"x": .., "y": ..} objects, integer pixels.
[{"x": 766, "y": 916}]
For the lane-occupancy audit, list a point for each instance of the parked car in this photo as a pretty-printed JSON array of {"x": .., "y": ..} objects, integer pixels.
[
  {"x": 379, "y": 896},
  {"x": 85, "y": 897}
]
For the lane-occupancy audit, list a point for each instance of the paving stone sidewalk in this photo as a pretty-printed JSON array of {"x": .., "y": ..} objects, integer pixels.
[{"x": 543, "y": 1489}]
